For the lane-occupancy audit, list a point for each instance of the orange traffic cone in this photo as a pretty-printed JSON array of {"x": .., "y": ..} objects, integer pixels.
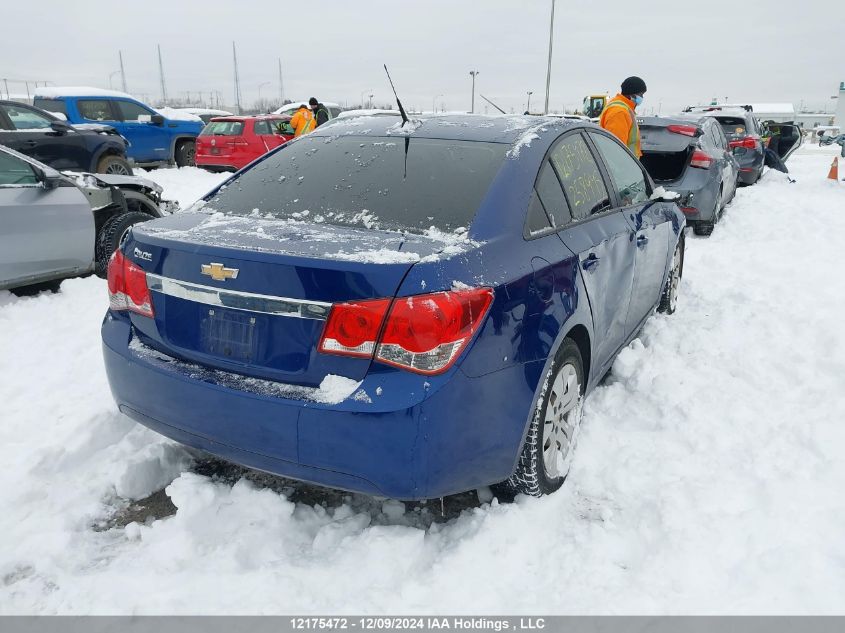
[{"x": 833, "y": 174}]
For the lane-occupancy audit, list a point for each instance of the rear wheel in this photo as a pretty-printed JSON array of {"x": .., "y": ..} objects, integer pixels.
[
  {"x": 114, "y": 165},
  {"x": 186, "y": 153},
  {"x": 547, "y": 452},
  {"x": 669, "y": 298},
  {"x": 111, "y": 235}
]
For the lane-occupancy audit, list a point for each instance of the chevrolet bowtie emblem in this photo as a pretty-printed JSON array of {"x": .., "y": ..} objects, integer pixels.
[{"x": 218, "y": 272}]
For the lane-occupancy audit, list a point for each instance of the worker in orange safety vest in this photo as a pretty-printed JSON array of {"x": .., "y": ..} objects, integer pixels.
[
  {"x": 619, "y": 118},
  {"x": 303, "y": 121}
]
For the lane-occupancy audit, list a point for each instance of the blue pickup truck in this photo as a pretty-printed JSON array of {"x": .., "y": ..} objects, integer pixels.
[{"x": 156, "y": 137}]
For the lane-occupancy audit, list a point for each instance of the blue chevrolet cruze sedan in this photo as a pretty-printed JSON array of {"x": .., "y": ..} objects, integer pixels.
[{"x": 405, "y": 310}]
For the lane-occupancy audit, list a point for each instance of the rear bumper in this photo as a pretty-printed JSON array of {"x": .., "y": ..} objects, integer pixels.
[
  {"x": 408, "y": 438},
  {"x": 214, "y": 166},
  {"x": 698, "y": 196}
]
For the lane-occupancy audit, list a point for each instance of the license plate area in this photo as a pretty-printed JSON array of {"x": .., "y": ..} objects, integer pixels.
[{"x": 232, "y": 334}]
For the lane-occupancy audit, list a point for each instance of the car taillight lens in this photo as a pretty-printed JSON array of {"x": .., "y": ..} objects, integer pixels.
[
  {"x": 423, "y": 333},
  {"x": 128, "y": 286},
  {"x": 353, "y": 328},
  {"x": 701, "y": 159},
  {"x": 747, "y": 142},
  {"x": 686, "y": 130}
]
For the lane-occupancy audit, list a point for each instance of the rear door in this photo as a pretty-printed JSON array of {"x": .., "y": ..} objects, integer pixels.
[
  {"x": 601, "y": 237},
  {"x": 28, "y": 131},
  {"x": 728, "y": 165},
  {"x": 785, "y": 138},
  {"x": 46, "y": 233},
  {"x": 648, "y": 219}
]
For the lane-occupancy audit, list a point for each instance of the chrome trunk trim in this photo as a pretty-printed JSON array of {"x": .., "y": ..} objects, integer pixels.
[{"x": 237, "y": 300}]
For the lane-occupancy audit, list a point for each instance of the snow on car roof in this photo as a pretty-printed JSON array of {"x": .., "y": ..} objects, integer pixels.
[
  {"x": 212, "y": 111},
  {"x": 294, "y": 105},
  {"x": 79, "y": 91},
  {"x": 499, "y": 128},
  {"x": 176, "y": 114}
]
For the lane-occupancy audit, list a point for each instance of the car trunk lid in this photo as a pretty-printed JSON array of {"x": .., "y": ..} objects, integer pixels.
[
  {"x": 251, "y": 295},
  {"x": 667, "y": 147}
]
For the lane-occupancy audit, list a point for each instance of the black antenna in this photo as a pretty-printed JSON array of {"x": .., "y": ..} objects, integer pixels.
[
  {"x": 492, "y": 104},
  {"x": 399, "y": 103}
]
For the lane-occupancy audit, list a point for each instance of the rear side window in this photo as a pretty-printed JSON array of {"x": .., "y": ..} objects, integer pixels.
[
  {"x": 223, "y": 128},
  {"x": 551, "y": 195},
  {"x": 26, "y": 119},
  {"x": 98, "y": 110},
  {"x": 371, "y": 182},
  {"x": 14, "y": 171},
  {"x": 131, "y": 111},
  {"x": 580, "y": 176},
  {"x": 51, "y": 105},
  {"x": 626, "y": 173},
  {"x": 262, "y": 127},
  {"x": 734, "y": 126}
]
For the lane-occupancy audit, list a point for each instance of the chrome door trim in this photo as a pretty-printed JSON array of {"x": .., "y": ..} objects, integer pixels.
[{"x": 237, "y": 300}]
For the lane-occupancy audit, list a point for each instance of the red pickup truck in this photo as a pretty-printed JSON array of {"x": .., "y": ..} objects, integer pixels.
[{"x": 230, "y": 143}]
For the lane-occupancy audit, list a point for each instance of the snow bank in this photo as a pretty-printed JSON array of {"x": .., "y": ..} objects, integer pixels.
[{"x": 708, "y": 476}]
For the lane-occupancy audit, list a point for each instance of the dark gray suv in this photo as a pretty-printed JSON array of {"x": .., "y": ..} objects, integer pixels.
[{"x": 43, "y": 136}]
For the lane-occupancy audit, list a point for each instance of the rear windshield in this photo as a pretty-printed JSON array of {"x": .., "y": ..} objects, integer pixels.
[
  {"x": 377, "y": 183},
  {"x": 51, "y": 105},
  {"x": 733, "y": 126},
  {"x": 223, "y": 128}
]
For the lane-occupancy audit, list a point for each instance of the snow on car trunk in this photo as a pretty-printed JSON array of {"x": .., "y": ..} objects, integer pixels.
[{"x": 707, "y": 479}]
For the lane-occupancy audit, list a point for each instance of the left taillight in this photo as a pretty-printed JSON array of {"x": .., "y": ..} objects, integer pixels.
[
  {"x": 701, "y": 159},
  {"x": 128, "y": 288},
  {"x": 422, "y": 333}
]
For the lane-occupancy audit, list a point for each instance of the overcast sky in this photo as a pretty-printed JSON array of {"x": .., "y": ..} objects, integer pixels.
[{"x": 687, "y": 52}]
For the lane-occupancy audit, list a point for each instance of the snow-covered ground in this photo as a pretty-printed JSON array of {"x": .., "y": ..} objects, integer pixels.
[{"x": 709, "y": 477}]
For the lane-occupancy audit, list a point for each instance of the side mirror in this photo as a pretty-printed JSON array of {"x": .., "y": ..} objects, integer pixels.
[
  {"x": 49, "y": 178},
  {"x": 660, "y": 194},
  {"x": 157, "y": 119},
  {"x": 60, "y": 127}
]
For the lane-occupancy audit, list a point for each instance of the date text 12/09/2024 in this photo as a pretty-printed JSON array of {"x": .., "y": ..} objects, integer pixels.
[{"x": 456, "y": 623}]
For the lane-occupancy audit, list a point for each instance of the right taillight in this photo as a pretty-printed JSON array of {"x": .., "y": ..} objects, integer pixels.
[
  {"x": 423, "y": 333},
  {"x": 128, "y": 288},
  {"x": 701, "y": 159}
]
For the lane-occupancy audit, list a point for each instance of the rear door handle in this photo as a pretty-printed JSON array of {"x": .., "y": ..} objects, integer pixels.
[
  {"x": 642, "y": 240},
  {"x": 31, "y": 143},
  {"x": 590, "y": 262}
]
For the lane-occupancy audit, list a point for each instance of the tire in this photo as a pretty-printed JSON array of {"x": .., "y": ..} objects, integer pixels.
[
  {"x": 717, "y": 206},
  {"x": 544, "y": 460},
  {"x": 669, "y": 297},
  {"x": 702, "y": 228},
  {"x": 114, "y": 165},
  {"x": 186, "y": 153},
  {"x": 111, "y": 235},
  {"x": 34, "y": 289}
]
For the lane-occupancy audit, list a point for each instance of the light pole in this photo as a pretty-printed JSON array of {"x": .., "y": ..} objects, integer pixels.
[
  {"x": 110, "y": 77},
  {"x": 371, "y": 101},
  {"x": 473, "y": 73},
  {"x": 433, "y": 103},
  {"x": 363, "y": 92},
  {"x": 528, "y": 107},
  {"x": 549, "y": 67},
  {"x": 261, "y": 85}
]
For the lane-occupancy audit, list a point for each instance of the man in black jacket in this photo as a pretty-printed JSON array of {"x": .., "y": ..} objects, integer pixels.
[{"x": 321, "y": 112}]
